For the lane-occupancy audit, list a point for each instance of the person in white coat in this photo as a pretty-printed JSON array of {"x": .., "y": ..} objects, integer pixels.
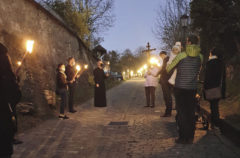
[{"x": 151, "y": 82}]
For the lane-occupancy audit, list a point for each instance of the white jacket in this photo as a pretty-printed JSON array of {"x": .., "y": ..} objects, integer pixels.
[
  {"x": 173, "y": 77},
  {"x": 152, "y": 79}
]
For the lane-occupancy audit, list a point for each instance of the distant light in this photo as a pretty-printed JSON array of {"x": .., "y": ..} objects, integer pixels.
[
  {"x": 145, "y": 66},
  {"x": 131, "y": 73}
]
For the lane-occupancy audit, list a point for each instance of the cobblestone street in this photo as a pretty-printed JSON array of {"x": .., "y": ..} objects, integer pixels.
[{"x": 124, "y": 129}]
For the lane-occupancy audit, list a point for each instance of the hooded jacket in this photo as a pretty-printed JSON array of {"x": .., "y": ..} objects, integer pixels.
[{"x": 188, "y": 65}]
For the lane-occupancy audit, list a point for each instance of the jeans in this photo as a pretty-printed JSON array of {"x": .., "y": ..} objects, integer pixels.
[
  {"x": 63, "y": 93},
  {"x": 150, "y": 95},
  {"x": 186, "y": 104}
]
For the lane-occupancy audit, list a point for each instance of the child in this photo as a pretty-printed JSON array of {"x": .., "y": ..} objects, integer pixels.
[
  {"x": 150, "y": 85},
  {"x": 62, "y": 89},
  {"x": 175, "y": 51}
]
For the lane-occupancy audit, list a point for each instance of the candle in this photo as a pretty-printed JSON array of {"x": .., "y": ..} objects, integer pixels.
[{"x": 85, "y": 66}]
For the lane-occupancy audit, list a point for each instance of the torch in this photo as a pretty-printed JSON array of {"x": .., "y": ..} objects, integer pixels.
[
  {"x": 78, "y": 68},
  {"x": 29, "y": 49}
]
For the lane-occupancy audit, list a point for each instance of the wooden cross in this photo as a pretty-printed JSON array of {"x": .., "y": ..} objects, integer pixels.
[{"x": 148, "y": 51}]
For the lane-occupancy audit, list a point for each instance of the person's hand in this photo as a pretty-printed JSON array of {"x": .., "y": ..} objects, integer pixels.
[
  {"x": 107, "y": 74},
  {"x": 97, "y": 85}
]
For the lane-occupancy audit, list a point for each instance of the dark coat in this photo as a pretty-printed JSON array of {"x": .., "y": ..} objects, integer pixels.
[
  {"x": 100, "y": 92},
  {"x": 61, "y": 81},
  {"x": 215, "y": 75},
  {"x": 164, "y": 76},
  {"x": 7, "y": 79},
  {"x": 70, "y": 72}
]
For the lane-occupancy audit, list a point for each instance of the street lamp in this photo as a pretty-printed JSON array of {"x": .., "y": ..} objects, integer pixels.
[{"x": 184, "y": 24}]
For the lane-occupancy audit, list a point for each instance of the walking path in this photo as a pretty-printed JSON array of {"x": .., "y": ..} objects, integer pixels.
[{"x": 124, "y": 129}]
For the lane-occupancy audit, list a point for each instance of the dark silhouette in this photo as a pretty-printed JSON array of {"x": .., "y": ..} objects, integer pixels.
[
  {"x": 100, "y": 90},
  {"x": 215, "y": 77},
  {"x": 166, "y": 87},
  {"x": 10, "y": 95},
  {"x": 188, "y": 65},
  {"x": 71, "y": 72}
]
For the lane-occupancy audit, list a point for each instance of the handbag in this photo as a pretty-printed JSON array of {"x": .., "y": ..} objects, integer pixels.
[{"x": 213, "y": 93}]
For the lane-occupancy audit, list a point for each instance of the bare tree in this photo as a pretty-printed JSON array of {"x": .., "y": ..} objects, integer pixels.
[
  {"x": 90, "y": 18},
  {"x": 167, "y": 28}
]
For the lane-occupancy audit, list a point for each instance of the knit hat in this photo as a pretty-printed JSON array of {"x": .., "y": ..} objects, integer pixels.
[
  {"x": 178, "y": 44},
  {"x": 177, "y": 47}
]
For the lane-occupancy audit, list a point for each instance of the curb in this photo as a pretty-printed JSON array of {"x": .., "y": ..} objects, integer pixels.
[{"x": 229, "y": 131}]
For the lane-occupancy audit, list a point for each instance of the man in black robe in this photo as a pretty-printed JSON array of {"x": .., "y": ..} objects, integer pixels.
[
  {"x": 100, "y": 90},
  {"x": 9, "y": 96}
]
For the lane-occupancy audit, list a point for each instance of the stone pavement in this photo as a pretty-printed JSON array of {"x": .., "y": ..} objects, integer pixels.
[{"x": 134, "y": 132}]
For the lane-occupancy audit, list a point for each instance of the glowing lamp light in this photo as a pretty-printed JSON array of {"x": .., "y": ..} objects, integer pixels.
[
  {"x": 30, "y": 44},
  {"x": 154, "y": 61},
  {"x": 85, "y": 66},
  {"x": 78, "y": 67},
  {"x": 131, "y": 73},
  {"x": 124, "y": 72},
  {"x": 19, "y": 63},
  {"x": 145, "y": 66}
]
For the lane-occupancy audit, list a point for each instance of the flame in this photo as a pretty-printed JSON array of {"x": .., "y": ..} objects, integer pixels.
[
  {"x": 19, "y": 63},
  {"x": 78, "y": 67},
  {"x": 30, "y": 44}
]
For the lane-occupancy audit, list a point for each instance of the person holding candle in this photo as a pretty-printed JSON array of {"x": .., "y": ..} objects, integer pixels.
[
  {"x": 62, "y": 89},
  {"x": 72, "y": 74},
  {"x": 100, "y": 91}
]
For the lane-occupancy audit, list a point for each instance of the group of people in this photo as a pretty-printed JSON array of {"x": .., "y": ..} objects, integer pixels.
[
  {"x": 179, "y": 75},
  {"x": 66, "y": 85},
  {"x": 10, "y": 95}
]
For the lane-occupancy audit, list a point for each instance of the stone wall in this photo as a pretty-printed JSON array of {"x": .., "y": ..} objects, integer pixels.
[{"x": 54, "y": 43}]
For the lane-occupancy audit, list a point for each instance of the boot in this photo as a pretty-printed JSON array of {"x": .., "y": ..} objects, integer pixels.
[{"x": 168, "y": 113}]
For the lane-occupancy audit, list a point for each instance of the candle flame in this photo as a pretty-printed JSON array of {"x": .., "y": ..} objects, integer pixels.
[
  {"x": 78, "y": 67},
  {"x": 85, "y": 66},
  {"x": 30, "y": 44},
  {"x": 19, "y": 63}
]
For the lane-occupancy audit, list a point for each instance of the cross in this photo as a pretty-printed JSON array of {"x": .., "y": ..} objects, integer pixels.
[{"x": 148, "y": 51}]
